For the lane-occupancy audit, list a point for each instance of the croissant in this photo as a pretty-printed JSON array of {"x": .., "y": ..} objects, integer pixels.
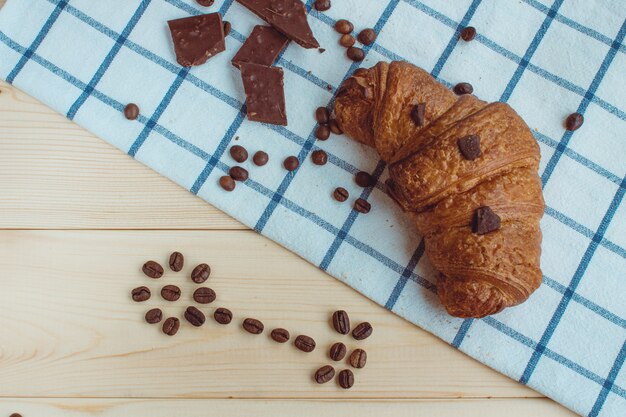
[{"x": 465, "y": 171}]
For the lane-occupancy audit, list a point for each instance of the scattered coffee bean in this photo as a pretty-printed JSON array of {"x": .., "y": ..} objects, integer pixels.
[
  {"x": 223, "y": 315},
  {"x": 341, "y": 322},
  {"x": 341, "y": 194},
  {"x": 463, "y": 88},
  {"x": 574, "y": 121},
  {"x": 346, "y": 379},
  {"x": 291, "y": 163},
  {"x": 15, "y": 415},
  {"x": 470, "y": 147},
  {"x": 338, "y": 351},
  {"x": 324, "y": 374},
  {"x": 322, "y": 115},
  {"x": 253, "y": 326},
  {"x": 468, "y": 33},
  {"x": 194, "y": 316},
  {"x": 362, "y": 331},
  {"x": 280, "y": 335},
  {"x": 238, "y": 173},
  {"x": 322, "y": 132},
  {"x": 239, "y": 153},
  {"x": 358, "y": 358},
  {"x": 200, "y": 273},
  {"x": 305, "y": 343},
  {"x": 362, "y": 206},
  {"x": 260, "y": 158},
  {"x": 418, "y": 114},
  {"x": 485, "y": 221},
  {"x": 346, "y": 40},
  {"x": 131, "y": 111},
  {"x": 322, "y": 5},
  {"x": 152, "y": 269},
  {"x": 171, "y": 326},
  {"x": 363, "y": 179},
  {"x": 227, "y": 27},
  {"x": 205, "y": 3},
  {"x": 344, "y": 26},
  {"x": 170, "y": 293},
  {"x": 154, "y": 316},
  {"x": 204, "y": 295},
  {"x": 140, "y": 294},
  {"x": 355, "y": 54},
  {"x": 177, "y": 261},
  {"x": 367, "y": 36},
  {"x": 227, "y": 183},
  {"x": 334, "y": 127},
  {"x": 319, "y": 157}
]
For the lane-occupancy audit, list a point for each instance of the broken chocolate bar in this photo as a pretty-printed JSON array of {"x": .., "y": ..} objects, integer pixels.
[
  {"x": 262, "y": 47},
  {"x": 265, "y": 95},
  {"x": 197, "y": 38}
]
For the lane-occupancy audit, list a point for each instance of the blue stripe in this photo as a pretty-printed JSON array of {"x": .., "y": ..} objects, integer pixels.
[
  {"x": 610, "y": 381},
  {"x": 37, "y": 41},
  {"x": 108, "y": 59},
  {"x": 460, "y": 335},
  {"x": 406, "y": 274}
]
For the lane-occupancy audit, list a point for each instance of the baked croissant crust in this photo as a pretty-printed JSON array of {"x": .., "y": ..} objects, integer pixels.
[{"x": 465, "y": 171}]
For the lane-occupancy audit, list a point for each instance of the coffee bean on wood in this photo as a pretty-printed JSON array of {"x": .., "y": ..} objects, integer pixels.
[
  {"x": 362, "y": 331},
  {"x": 239, "y": 153},
  {"x": 345, "y": 379},
  {"x": 170, "y": 293},
  {"x": 223, "y": 315},
  {"x": 204, "y": 295},
  {"x": 171, "y": 326},
  {"x": 253, "y": 326},
  {"x": 341, "y": 322},
  {"x": 358, "y": 358},
  {"x": 152, "y": 269},
  {"x": 337, "y": 351},
  {"x": 324, "y": 374},
  {"x": 194, "y": 316},
  {"x": 200, "y": 273},
  {"x": 305, "y": 343},
  {"x": 15, "y": 415},
  {"x": 177, "y": 261},
  {"x": 140, "y": 294},
  {"x": 280, "y": 335},
  {"x": 154, "y": 316}
]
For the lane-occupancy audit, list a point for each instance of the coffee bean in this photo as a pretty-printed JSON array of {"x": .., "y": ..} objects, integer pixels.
[
  {"x": 468, "y": 33},
  {"x": 341, "y": 194},
  {"x": 355, "y": 54},
  {"x": 238, "y": 173},
  {"x": 363, "y": 179},
  {"x": 346, "y": 40},
  {"x": 362, "y": 206},
  {"x": 177, "y": 261},
  {"x": 334, "y": 127},
  {"x": 322, "y": 5},
  {"x": 322, "y": 132},
  {"x": 362, "y": 331},
  {"x": 204, "y": 295},
  {"x": 227, "y": 27},
  {"x": 291, "y": 163},
  {"x": 280, "y": 335},
  {"x": 239, "y": 153},
  {"x": 154, "y": 316},
  {"x": 324, "y": 374},
  {"x": 152, "y": 269},
  {"x": 574, "y": 121},
  {"x": 131, "y": 111},
  {"x": 341, "y": 322},
  {"x": 345, "y": 379},
  {"x": 337, "y": 351},
  {"x": 418, "y": 114},
  {"x": 463, "y": 88},
  {"x": 305, "y": 343},
  {"x": 223, "y": 315},
  {"x": 140, "y": 294},
  {"x": 485, "y": 221},
  {"x": 200, "y": 273},
  {"x": 319, "y": 157},
  {"x": 253, "y": 326},
  {"x": 358, "y": 358},
  {"x": 170, "y": 293},
  {"x": 367, "y": 36},
  {"x": 171, "y": 326},
  {"x": 344, "y": 26},
  {"x": 227, "y": 183},
  {"x": 205, "y": 3},
  {"x": 194, "y": 316},
  {"x": 470, "y": 147},
  {"x": 322, "y": 115},
  {"x": 15, "y": 415},
  {"x": 260, "y": 158}
]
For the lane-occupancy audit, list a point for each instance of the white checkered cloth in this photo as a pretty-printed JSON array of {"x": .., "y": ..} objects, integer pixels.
[{"x": 547, "y": 58}]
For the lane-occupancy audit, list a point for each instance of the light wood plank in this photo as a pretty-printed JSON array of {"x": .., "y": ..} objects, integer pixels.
[
  {"x": 75, "y": 332},
  {"x": 57, "y": 175}
]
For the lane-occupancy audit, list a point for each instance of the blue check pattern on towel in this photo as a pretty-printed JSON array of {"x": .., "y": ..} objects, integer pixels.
[{"x": 547, "y": 58}]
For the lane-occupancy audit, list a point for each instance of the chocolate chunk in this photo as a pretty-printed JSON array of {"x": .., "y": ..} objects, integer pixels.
[
  {"x": 485, "y": 221},
  {"x": 206, "y": 3},
  {"x": 131, "y": 111},
  {"x": 265, "y": 95},
  {"x": 321, "y": 50},
  {"x": 322, "y": 115},
  {"x": 362, "y": 206},
  {"x": 470, "y": 147},
  {"x": 574, "y": 121},
  {"x": 238, "y": 174},
  {"x": 291, "y": 163},
  {"x": 346, "y": 40},
  {"x": 239, "y": 153},
  {"x": 319, "y": 157},
  {"x": 262, "y": 47},
  {"x": 227, "y": 183},
  {"x": 367, "y": 36},
  {"x": 322, "y": 132},
  {"x": 341, "y": 194},
  {"x": 260, "y": 158},
  {"x": 197, "y": 38},
  {"x": 344, "y": 26},
  {"x": 418, "y": 114},
  {"x": 355, "y": 54},
  {"x": 468, "y": 33},
  {"x": 322, "y": 5},
  {"x": 287, "y": 16},
  {"x": 463, "y": 88}
]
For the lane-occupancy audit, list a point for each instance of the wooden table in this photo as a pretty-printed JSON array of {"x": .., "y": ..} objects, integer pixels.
[{"x": 77, "y": 220}]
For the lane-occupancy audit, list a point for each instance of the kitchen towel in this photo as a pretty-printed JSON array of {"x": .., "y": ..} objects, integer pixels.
[{"x": 547, "y": 58}]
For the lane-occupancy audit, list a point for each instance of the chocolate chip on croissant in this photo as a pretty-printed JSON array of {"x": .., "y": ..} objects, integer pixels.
[{"x": 465, "y": 171}]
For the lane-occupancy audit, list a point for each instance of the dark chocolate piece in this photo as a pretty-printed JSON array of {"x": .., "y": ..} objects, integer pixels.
[
  {"x": 418, "y": 114},
  {"x": 265, "y": 95},
  {"x": 262, "y": 47},
  {"x": 470, "y": 147},
  {"x": 485, "y": 221},
  {"x": 197, "y": 38}
]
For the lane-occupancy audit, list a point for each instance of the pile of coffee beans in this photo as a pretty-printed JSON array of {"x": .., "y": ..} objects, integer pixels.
[{"x": 366, "y": 37}]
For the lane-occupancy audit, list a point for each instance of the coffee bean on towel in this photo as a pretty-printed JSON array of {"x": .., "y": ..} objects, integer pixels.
[
  {"x": 344, "y": 26},
  {"x": 367, "y": 36},
  {"x": 485, "y": 221},
  {"x": 574, "y": 121},
  {"x": 363, "y": 179},
  {"x": 322, "y": 5},
  {"x": 177, "y": 261},
  {"x": 238, "y": 173},
  {"x": 239, "y": 153},
  {"x": 223, "y": 315},
  {"x": 324, "y": 374},
  {"x": 253, "y": 326},
  {"x": 358, "y": 358},
  {"x": 345, "y": 379},
  {"x": 171, "y": 326},
  {"x": 470, "y": 147},
  {"x": 305, "y": 343},
  {"x": 334, "y": 127},
  {"x": 322, "y": 115},
  {"x": 204, "y": 295},
  {"x": 227, "y": 183},
  {"x": 355, "y": 54},
  {"x": 322, "y": 132},
  {"x": 227, "y": 27},
  {"x": 170, "y": 293},
  {"x": 280, "y": 335},
  {"x": 131, "y": 111},
  {"x": 154, "y": 316},
  {"x": 362, "y": 206},
  {"x": 337, "y": 351},
  {"x": 463, "y": 88},
  {"x": 140, "y": 294},
  {"x": 200, "y": 273},
  {"x": 468, "y": 33},
  {"x": 319, "y": 157},
  {"x": 152, "y": 269},
  {"x": 291, "y": 163},
  {"x": 341, "y": 322},
  {"x": 205, "y": 3},
  {"x": 341, "y": 194},
  {"x": 194, "y": 316},
  {"x": 362, "y": 331},
  {"x": 418, "y": 114},
  {"x": 346, "y": 40},
  {"x": 260, "y": 158}
]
